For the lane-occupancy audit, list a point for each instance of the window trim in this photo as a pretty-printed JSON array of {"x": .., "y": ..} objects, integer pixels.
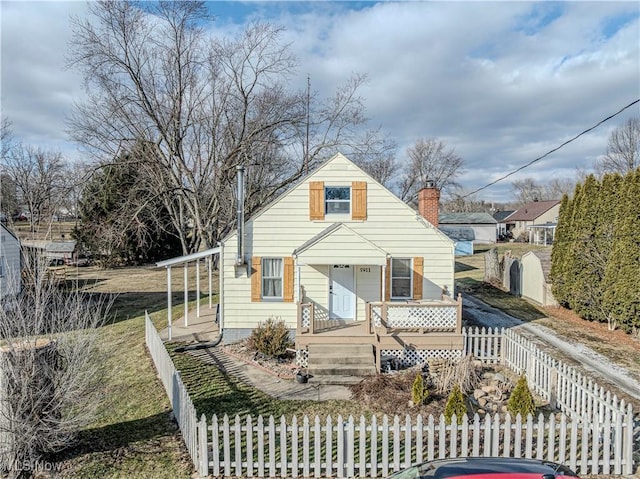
[
  {"x": 349, "y": 201},
  {"x": 410, "y": 278},
  {"x": 264, "y": 278}
]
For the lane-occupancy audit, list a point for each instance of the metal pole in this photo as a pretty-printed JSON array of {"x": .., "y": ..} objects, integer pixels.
[
  {"x": 186, "y": 295},
  {"x": 169, "y": 301},
  {"x": 198, "y": 288}
]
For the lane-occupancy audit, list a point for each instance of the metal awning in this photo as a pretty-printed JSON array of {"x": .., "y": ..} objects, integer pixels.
[{"x": 187, "y": 258}]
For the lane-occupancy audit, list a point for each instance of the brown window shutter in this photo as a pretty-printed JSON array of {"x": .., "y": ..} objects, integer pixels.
[
  {"x": 387, "y": 279},
  {"x": 316, "y": 200},
  {"x": 418, "y": 271},
  {"x": 287, "y": 292},
  {"x": 256, "y": 279},
  {"x": 359, "y": 200}
]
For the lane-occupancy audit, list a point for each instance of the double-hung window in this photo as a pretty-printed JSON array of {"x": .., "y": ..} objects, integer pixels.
[
  {"x": 401, "y": 277},
  {"x": 272, "y": 273},
  {"x": 337, "y": 200}
]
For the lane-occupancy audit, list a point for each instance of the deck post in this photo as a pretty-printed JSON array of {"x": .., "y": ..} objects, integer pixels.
[
  {"x": 312, "y": 320},
  {"x": 186, "y": 295},
  {"x": 198, "y": 288},
  {"x": 459, "y": 316},
  {"x": 169, "y": 301}
]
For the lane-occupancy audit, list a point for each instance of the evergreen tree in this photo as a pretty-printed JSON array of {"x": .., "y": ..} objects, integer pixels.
[
  {"x": 419, "y": 392},
  {"x": 559, "y": 250},
  {"x": 521, "y": 400},
  {"x": 622, "y": 278},
  {"x": 563, "y": 280},
  {"x": 587, "y": 265},
  {"x": 120, "y": 221},
  {"x": 455, "y": 405}
]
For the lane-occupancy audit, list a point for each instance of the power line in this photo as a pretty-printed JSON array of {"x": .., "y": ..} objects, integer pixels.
[{"x": 554, "y": 150}]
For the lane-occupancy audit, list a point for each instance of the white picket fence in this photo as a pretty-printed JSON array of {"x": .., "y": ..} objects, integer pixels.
[
  {"x": 562, "y": 385},
  {"x": 183, "y": 409},
  {"x": 248, "y": 447},
  {"x": 590, "y": 443}
]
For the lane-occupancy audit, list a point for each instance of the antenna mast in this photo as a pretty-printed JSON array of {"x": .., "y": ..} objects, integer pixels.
[{"x": 306, "y": 153}]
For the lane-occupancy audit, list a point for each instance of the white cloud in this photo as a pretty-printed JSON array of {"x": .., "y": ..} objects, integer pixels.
[{"x": 501, "y": 82}]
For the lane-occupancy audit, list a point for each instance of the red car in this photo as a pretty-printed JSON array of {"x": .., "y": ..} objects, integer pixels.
[{"x": 485, "y": 468}]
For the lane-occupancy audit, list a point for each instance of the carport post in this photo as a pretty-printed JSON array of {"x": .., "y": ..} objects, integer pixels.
[
  {"x": 198, "y": 288},
  {"x": 169, "y": 301},
  {"x": 186, "y": 295},
  {"x": 210, "y": 275}
]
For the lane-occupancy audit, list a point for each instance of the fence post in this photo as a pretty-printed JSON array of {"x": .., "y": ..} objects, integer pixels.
[
  {"x": 203, "y": 455},
  {"x": 628, "y": 442},
  {"x": 553, "y": 388}
]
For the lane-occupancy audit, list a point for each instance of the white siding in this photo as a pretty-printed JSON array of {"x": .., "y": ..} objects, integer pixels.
[
  {"x": 284, "y": 226},
  {"x": 10, "y": 258}
]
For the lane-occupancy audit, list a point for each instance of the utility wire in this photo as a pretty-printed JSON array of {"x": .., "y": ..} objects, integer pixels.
[{"x": 554, "y": 150}]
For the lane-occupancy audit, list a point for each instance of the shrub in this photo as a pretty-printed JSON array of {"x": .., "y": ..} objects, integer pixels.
[
  {"x": 419, "y": 391},
  {"x": 521, "y": 400},
  {"x": 455, "y": 405},
  {"x": 271, "y": 338}
]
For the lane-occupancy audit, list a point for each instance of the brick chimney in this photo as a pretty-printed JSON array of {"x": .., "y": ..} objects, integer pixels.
[{"x": 428, "y": 202}]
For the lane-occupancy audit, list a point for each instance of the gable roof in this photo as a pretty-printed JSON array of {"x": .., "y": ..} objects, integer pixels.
[
  {"x": 338, "y": 156},
  {"x": 532, "y": 210},
  {"x": 499, "y": 216},
  {"x": 466, "y": 218},
  {"x": 544, "y": 255},
  {"x": 459, "y": 233},
  {"x": 60, "y": 247},
  {"x": 11, "y": 233},
  {"x": 334, "y": 238}
]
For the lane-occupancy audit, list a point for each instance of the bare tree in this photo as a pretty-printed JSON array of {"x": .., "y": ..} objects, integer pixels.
[
  {"x": 8, "y": 200},
  {"x": 202, "y": 106},
  {"x": 429, "y": 160},
  {"x": 528, "y": 189},
  {"x": 623, "y": 150},
  {"x": 38, "y": 178},
  {"x": 51, "y": 369}
]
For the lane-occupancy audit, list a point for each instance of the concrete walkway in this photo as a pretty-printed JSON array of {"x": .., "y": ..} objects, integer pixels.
[{"x": 279, "y": 388}]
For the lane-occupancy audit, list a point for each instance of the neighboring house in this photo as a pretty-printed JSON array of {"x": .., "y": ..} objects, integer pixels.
[
  {"x": 501, "y": 226},
  {"x": 535, "y": 221},
  {"x": 10, "y": 262},
  {"x": 482, "y": 224},
  {"x": 343, "y": 261},
  {"x": 462, "y": 236},
  {"x": 65, "y": 250},
  {"x": 535, "y": 282}
]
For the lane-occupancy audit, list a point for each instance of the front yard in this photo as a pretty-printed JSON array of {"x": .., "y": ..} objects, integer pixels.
[{"x": 134, "y": 435}]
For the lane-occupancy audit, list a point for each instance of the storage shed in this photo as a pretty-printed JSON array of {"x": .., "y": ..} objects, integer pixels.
[{"x": 536, "y": 285}]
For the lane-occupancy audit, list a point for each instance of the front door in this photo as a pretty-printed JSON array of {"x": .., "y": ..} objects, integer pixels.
[{"x": 342, "y": 298}]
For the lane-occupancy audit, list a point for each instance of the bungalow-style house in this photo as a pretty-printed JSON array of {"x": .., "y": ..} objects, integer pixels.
[
  {"x": 10, "y": 262},
  {"x": 345, "y": 264},
  {"x": 535, "y": 221},
  {"x": 482, "y": 224}
]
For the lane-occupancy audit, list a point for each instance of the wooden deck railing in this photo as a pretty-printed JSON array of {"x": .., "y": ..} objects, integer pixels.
[{"x": 417, "y": 316}]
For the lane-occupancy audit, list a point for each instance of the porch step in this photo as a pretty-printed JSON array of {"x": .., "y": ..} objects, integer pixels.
[{"x": 341, "y": 362}]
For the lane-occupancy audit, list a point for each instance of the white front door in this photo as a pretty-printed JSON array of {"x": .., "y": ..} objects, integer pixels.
[{"x": 342, "y": 298}]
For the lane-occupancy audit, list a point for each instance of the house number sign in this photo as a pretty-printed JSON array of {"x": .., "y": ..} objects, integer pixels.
[{"x": 365, "y": 269}]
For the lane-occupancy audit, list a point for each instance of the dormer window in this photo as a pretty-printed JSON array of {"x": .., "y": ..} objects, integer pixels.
[{"x": 337, "y": 200}]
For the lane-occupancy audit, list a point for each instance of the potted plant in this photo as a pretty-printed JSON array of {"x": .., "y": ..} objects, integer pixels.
[{"x": 302, "y": 376}]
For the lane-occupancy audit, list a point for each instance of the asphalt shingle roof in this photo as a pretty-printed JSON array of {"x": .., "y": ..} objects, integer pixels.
[
  {"x": 466, "y": 218},
  {"x": 531, "y": 211}
]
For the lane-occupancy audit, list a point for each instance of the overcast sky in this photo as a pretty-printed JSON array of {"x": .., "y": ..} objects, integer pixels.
[{"x": 500, "y": 82}]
